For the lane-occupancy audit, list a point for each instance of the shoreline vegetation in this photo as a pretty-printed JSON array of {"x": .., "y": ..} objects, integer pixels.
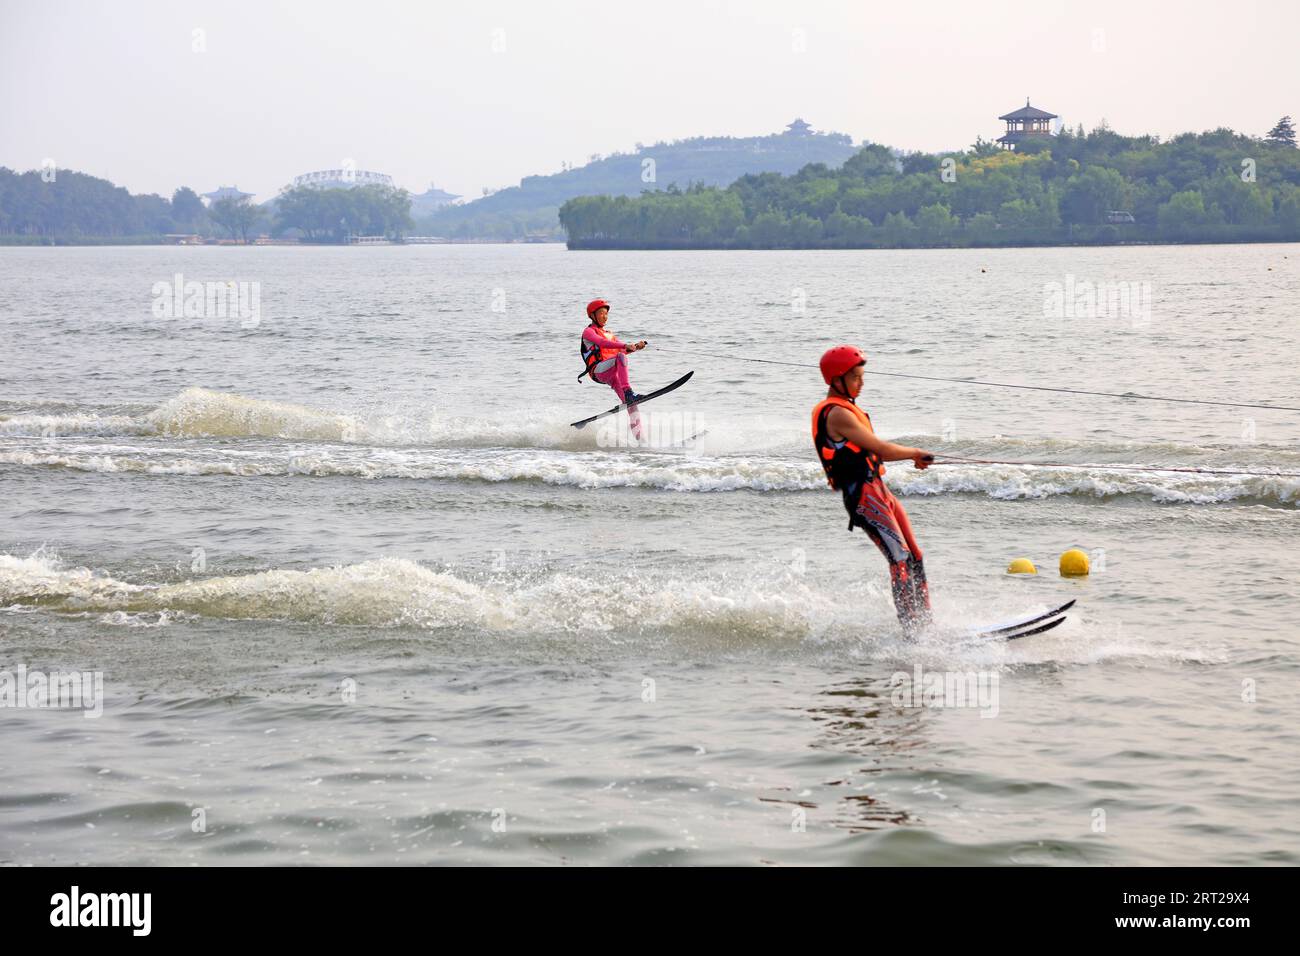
[
  {"x": 1068, "y": 189},
  {"x": 47, "y": 242},
  {"x": 70, "y": 208},
  {"x": 1101, "y": 236},
  {"x": 1074, "y": 188},
  {"x": 52, "y": 207}
]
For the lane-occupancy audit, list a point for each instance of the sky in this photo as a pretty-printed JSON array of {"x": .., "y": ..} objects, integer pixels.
[{"x": 155, "y": 95}]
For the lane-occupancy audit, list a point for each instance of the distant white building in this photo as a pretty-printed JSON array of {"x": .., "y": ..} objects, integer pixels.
[{"x": 341, "y": 179}]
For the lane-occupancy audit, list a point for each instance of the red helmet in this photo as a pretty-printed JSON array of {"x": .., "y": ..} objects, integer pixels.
[
  {"x": 837, "y": 361},
  {"x": 595, "y": 304}
]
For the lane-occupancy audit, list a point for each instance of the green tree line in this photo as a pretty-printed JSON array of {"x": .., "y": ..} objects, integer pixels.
[
  {"x": 1073, "y": 187},
  {"x": 330, "y": 215},
  {"x": 43, "y": 205}
]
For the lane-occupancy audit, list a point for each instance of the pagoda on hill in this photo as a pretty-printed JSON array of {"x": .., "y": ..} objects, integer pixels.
[
  {"x": 1026, "y": 122},
  {"x": 226, "y": 192}
]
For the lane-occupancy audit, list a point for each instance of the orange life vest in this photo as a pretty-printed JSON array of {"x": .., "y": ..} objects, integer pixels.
[
  {"x": 846, "y": 465},
  {"x": 592, "y": 355}
]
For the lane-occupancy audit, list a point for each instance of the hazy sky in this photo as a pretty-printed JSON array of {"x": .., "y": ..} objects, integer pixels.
[{"x": 474, "y": 94}]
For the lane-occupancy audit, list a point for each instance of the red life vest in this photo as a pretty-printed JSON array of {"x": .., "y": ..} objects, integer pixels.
[
  {"x": 847, "y": 466},
  {"x": 593, "y": 355}
]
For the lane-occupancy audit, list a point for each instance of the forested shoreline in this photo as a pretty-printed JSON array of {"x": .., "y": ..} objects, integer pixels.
[
  {"x": 65, "y": 207},
  {"x": 1074, "y": 188}
]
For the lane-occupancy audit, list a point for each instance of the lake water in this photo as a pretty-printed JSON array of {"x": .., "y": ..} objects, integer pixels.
[{"x": 359, "y": 594}]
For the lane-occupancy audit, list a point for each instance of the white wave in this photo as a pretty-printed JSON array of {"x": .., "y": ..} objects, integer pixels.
[
  {"x": 41, "y": 579},
  {"x": 765, "y": 609},
  {"x": 535, "y": 446},
  {"x": 201, "y": 412},
  {"x": 83, "y": 423},
  {"x": 677, "y": 473},
  {"x": 1010, "y": 482},
  {"x": 391, "y": 592},
  {"x": 389, "y": 422},
  {"x": 591, "y": 470}
]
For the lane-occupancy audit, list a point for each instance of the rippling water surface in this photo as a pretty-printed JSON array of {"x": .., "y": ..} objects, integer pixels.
[{"x": 359, "y": 594}]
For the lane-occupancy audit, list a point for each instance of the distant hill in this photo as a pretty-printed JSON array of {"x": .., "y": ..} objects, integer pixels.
[{"x": 533, "y": 205}]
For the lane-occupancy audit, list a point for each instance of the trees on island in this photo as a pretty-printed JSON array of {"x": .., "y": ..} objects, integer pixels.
[
  {"x": 1076, "y": 186},
  {"x": 331, "y": 215}
]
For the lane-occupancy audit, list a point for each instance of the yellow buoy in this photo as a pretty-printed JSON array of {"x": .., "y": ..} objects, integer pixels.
[
  {"x": 1074, "y": 564},
  {"x": 1021, "y": 566}
]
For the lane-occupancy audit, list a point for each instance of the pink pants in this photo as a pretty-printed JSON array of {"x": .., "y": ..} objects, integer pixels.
[{"x": 613, "y": 372}]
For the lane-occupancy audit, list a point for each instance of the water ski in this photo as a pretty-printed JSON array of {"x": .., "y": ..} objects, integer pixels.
[
  {"x": 640, "y": 401},
  {"x": 1023, "y": 627},
  {"x": 686, "y": 441}
]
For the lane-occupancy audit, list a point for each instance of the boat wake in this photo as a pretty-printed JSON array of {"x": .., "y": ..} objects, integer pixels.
[
  {"x": 766, "y": 611},
  {"x": 200, "y": 432}
]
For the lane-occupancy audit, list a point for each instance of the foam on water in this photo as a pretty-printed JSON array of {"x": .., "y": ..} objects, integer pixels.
[
  {"x": 204, "y": 413},
  {"x": 689, "y": 472},
  {"x": 753, "y": 454},
  {"x": 756, "y": 613},
  {"x": 200, "y": 413},
  {"x": 1010, "y": 482},
  {"x": 576, "y": 470}
]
